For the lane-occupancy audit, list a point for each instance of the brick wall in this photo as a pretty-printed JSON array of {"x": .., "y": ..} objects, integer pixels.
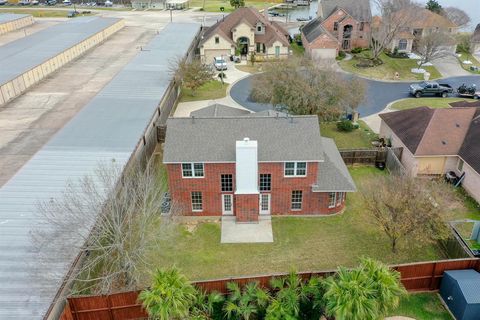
[
  {"x": 281, "y": 191},
  {"x": 246, "y": 207},
  {"x": 358, "y": 39}
]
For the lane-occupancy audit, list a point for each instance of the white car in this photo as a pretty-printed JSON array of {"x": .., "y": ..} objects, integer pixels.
[
  {"x": 220, "y": 63},
  {"x": 67, "y": 2},
  {"x": 108, "y": 3}
]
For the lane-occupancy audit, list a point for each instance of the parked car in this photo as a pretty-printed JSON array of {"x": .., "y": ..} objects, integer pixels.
[
  {"x": 51, "y": 2},
  {"x": 430, "y": 88},
  {"x": 219, "y": 63},
  {"x": 468, "y": 91},
  {"x": 35, "y": 2},
  {"x": 3, "y": 2},
  {"x": 108, "y": 3},
  {"x": 24, "y": 2},
  {"x": 67, "y": 2}
]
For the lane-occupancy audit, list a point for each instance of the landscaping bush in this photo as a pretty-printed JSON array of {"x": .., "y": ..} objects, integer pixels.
[
  {"x": 341, "y": 55},
  {"x": 367, "y": 62},
  {"x": 356, "y": 50},
  {"x": 345, "y": 125},
  {"x": 397, "y": 55}
]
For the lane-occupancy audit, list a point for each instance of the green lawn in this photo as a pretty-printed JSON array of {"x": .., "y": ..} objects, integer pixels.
[
  {"x": 39, "y": 13},
  {"x": 422, "y": 306},
  {"x": 297, "y": 49},
  {"x": 256, "y": 68},
  {"x": 358, "y": 138},
  {"x": 214, "y": 5},
  {"x": 317, "y": 243},
  {"x": 470, "y": 57},
  {"x": 387, "y": 70},
  {"x": 209, "y": 91},
  {"x": 411, "y": 103}
]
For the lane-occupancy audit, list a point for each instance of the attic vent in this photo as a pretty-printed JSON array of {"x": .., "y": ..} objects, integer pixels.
[
  {"x": 457, "y": 125},
  {"x": 444, "y": 142}
]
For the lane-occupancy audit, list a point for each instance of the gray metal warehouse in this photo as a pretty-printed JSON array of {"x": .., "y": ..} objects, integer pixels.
[
  {"x": 11, "y": 21},
  {"x": 111, "y": 126},
  {"x": 27, "y": 61}
]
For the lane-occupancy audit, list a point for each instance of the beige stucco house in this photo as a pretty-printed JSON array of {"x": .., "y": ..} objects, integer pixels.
[
  {"x": 245, "y": 31},
  {"x": 436, "y": 141}
]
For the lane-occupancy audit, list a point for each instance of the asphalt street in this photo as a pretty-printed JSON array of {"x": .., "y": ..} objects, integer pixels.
[{"x": 379, "y": 94}]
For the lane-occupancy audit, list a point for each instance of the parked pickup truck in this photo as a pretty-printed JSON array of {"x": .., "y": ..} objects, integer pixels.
[{"x": 430, "y": 88}]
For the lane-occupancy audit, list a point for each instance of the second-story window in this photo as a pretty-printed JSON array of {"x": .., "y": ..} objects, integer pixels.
[
  {"x": 362, "y": 26},
  {"x": 217, "y": 40},
  {"x": 335, "y": 26},
  {"x": 192, "y": 170},
  {"x": 226, "y": 181},
  {"x": 265, "y": 182},
  {"x": 295, "y": 169},
  {"x": 259, "y": 28}
]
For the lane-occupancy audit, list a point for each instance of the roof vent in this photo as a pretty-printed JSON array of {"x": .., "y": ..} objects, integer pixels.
[
  {"x": 444, "y": 142},
  {"x": 246, "y": 139},
  {"x": 457, "y": 125}
]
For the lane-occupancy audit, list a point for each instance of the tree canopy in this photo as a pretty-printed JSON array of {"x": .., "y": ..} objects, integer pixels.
[{"x": 434, "y": 6}]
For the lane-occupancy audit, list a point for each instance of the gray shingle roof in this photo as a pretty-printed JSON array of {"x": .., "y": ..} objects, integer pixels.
[
  {"x": 313, "y": 29},
  {"x": 213, "y": 139},
  {"x": 219, "y": 110},
  {"x": 333, "y": 174},
  {"x": 358, "y": 9}
]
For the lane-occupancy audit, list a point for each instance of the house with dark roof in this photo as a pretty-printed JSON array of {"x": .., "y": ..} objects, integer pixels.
[
  {"x": 436, "y": 141},
  {"x": 243, "y": 32},
  {"x": 220, "y": 162},
  {"x": 339, "y": 25}
]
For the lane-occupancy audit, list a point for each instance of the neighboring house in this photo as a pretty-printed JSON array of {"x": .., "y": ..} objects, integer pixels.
[
  {"x": 476, "y": 40},
  {"x": 340, "y": 25},
  {"x": 243, "y": 32},
  {"x": 265, "y": 163},
  {"x": 422, "y": 22},
  {"x": 436, "y": 141}
]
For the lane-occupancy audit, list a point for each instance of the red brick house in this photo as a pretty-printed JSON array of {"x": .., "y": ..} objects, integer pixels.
[
  {"x": 265, "y": 163},
  {"x": 340, "y": 25}
]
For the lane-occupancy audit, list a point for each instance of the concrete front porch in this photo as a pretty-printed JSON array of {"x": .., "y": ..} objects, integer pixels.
[{"x": 233, "y": 232}]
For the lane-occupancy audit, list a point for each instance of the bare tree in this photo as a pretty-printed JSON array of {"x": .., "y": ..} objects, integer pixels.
[
  {"x": 300, "y": 87},
  {"x": 114, "y": 220},
  {"x": 434, "y": 45},
  {"x": 457, "y": 16},
  {"x": 406, "y": 208},
  {"x": 395, "y": 16},
  {"x": 192, "y": 74}
]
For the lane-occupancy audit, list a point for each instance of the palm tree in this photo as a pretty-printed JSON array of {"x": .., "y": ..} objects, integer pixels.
[
  {"x": 204, "y": 305},
  {"x": 386, "y": 283},
  {"x": 289, "y": 295},
  {"x": 170, "y": 296},
  {"x": 351, "y": 295},
  {"x": 247, "y": 304}
]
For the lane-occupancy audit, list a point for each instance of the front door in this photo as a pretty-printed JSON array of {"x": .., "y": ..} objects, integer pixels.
[
  {"x": 264, "y": 203},
  {"x": 227, "y": 204}
]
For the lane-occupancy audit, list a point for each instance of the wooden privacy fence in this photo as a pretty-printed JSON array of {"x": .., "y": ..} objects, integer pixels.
[
  {"x": 363, "y": 156},
  {"x": 423, "y": 276}
]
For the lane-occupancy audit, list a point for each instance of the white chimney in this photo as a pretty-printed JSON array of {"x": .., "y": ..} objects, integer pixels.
[
  {"x": 246, "y": 165},
  {"x": 320, "y": 10}
]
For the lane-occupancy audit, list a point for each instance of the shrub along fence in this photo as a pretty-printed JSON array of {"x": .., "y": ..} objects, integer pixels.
[{"x": 422, "y": 276}]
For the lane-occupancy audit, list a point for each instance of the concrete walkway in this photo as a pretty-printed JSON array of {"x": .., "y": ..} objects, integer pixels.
[
  {"x": 374, "y": 121},
  {"x": 260, "y": 232},
  {"x": 450, "y": 67}
]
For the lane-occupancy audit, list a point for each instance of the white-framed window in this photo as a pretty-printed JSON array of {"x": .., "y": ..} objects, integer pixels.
[
  {"x": 297, "y": 199},
  {"x": 340, "y": 197},
  {"x": 259, "y": 28},
  {"x": 460, "y": 165},
  {"x": 332, "y": 199},
  {"x": 192, "y": 170},
  {"x": 197, "y": 201},
  {"x": 295, "y": 169},
  {"x": 402, "y": 44}
]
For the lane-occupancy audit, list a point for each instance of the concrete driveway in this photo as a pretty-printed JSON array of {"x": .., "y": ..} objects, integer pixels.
[{"x": 449, "y": 67}]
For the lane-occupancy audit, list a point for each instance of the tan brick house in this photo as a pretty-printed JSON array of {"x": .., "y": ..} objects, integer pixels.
[
  {"x": 265, "y": 163},
  {"x": 339, "y": 25},
  {"x": 244, "y": 31},
  {"x": 422, "y": 21},
  {"x": 436, "y": 141}
]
